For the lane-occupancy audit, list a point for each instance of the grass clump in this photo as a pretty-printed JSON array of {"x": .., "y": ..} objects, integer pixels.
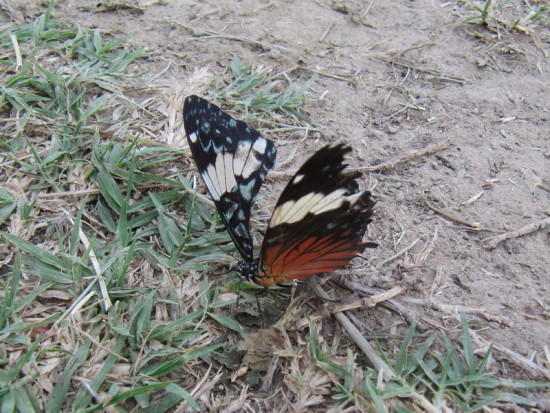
[
  {"x": 434, "y": 380},
  {"x": 264, "y": 96}
]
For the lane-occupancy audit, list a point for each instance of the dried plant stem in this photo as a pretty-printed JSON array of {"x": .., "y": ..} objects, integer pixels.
[
  {"x": 392, "y": 163},
  {"x": 370, "y": 301},
  {"x": 492, "y": 242},
  {"x": 456, "y": 309},
  {"x": 391, "y": 304},
  {"x": 393, "y": 257},
  {"x": 355, "y": 334},
  {"x": 449, "y": 216}
]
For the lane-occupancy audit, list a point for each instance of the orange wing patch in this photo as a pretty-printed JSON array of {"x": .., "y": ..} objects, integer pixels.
[{"x": 308, "y": 257}]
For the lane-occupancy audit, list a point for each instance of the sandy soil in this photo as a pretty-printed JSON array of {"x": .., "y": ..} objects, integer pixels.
[{"x": 395, "y": 77}]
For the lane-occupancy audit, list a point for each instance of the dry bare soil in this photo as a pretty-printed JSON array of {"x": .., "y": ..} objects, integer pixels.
[{"x": 393, "y": 78}]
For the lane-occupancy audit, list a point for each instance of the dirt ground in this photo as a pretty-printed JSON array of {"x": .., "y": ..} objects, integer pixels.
[{"x": 394, "y": 77}]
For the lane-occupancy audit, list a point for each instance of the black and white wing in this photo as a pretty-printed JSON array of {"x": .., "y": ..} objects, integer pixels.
[{"x": 233, "y": 160}]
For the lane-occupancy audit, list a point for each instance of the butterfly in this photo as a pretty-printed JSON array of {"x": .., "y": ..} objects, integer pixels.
[{"x": 320, "y": 218}]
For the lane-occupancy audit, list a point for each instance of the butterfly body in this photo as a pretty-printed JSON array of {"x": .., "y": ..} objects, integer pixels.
[{"x": 320, "y": 218}]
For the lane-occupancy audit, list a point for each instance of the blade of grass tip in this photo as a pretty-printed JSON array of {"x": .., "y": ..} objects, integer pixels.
[
  {"x": 110, "y": 190},
  {"x": 95, "y": 263},
  {"x": 19, "y": 364},
  {"x": 418, "y": 355},
  {"x": 141, "y": 319},
  {"x": 75, "y": 233},
  {"x": 84, "y": 397},
  {"x": 118, "y": 277},
  {"x": 23, "y": 401},
  {"x": 20, "y": 327},
  {"x": 184, "y": 394},
  {"x": 163, "y": 404},
  {"x": 314, "y": 339},
  {"x": 485, "y": 360},
  {"x": 58, "y": 396},
  {"x": 9, "y": 293},
  {"x": 37, "y": 252},
  {"x": 494, "y": 398},
  {"x": 169, "y": 233},
  {"x": 96, "y": 105},
  {"x": 228, "y": 322},
  {"x": 177, "y": 324},
  {"x": 122, "y": 227},
  {"x": 196, "y": 352},
  {"x": 401, "y": 362},
  {"x": 467, "y": 346},
  {"x": 105, "y": 217},
  {"x": 374, "y": 394},
  {"x": 150, "y": 388},
  {"x": 457, "y": 366},
  {"x": 8, "y": 401}
]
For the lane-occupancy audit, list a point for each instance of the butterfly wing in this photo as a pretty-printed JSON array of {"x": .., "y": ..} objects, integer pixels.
[
  {"x": 233, "y": 160},
  {"x": 319, "y": 221}
]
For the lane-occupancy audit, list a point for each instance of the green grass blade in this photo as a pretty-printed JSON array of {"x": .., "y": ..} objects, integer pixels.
[
  {"x": 58, "y": 396},
  {"x": 36, "y": 252},
  {"x": 228, "y": 322}
]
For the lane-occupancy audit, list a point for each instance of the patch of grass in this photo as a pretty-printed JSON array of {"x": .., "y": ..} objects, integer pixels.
[
  {"x": 69, "y": 280},
  {"x": 500, "y": 15},
  {"x": 263, "y": 96},
  {"x": 433, "y": 380}
]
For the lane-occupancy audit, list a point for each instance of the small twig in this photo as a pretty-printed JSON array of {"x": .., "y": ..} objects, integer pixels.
[
  {"x": 348, "y": 79},
  {"x": 367, "y": 9},
  {"x": 492, "y": 242},
  {"x": 456, "y": 309},
  {"x": 211, "y": 34},
  {"x": 392, "y": 163},
  {"x": 391, "y": 304},
  {"x": 355, "y": 334},
  {"x": 393, "y": 257},
  {"x": 535, "y": 369},
  {"x": 370, "y": 301},
  {"x": 97, "y": 343},
  {"x": 435, "y": 73},
  {"x": 326, "y": 32},
  {"x": 449, "y": 216},
  {"x": 200, "y": 388}
]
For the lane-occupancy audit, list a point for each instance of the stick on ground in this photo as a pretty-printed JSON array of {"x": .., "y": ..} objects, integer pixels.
[
  {"x": 355, "y": 334},
  {"x": 492, "y": 242}
]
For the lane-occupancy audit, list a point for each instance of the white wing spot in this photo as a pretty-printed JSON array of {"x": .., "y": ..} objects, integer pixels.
[
  {"x": 193, "y": 137},
  {"x": 254, "y": 159},
  {"x": 260, "y": 145},
  {"x": 213, "y": 187},
  {"x": 297, "y": 178},
  {"x": 331, "y": 201},
  {"x": 313, "y": 203},
  {"x": 241, "y": 154},
  {"x": 294, "y": 211},
  {"x": 230, "y": 181},
  {"x": 220, "y": 172}
]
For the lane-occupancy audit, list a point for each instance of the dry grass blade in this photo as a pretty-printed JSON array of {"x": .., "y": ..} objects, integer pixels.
[{"x": 355, "y": 334}]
